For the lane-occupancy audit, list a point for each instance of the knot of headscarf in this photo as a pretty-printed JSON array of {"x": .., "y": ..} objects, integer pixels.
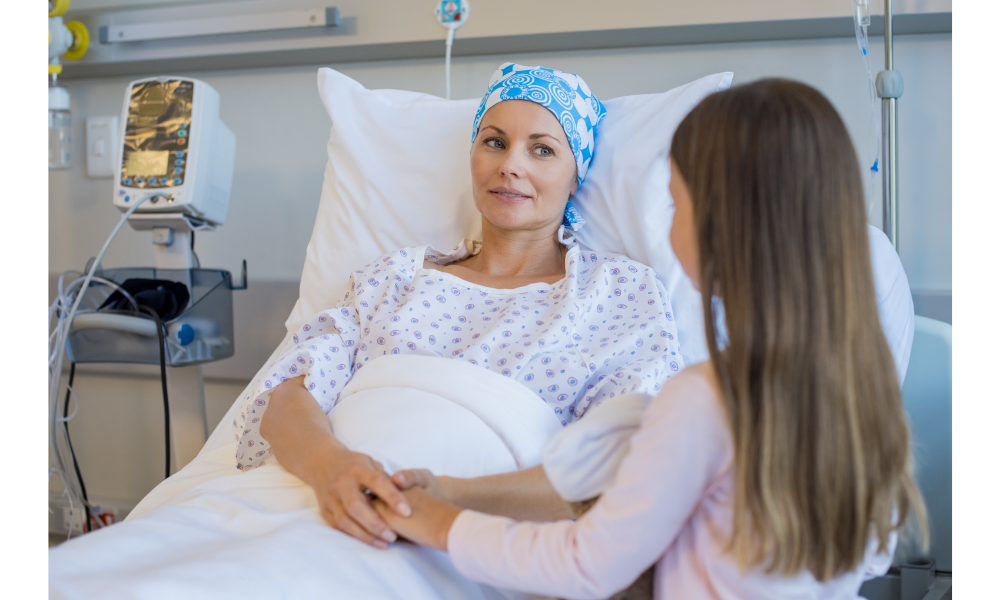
[{"x": 566, "y": 96}]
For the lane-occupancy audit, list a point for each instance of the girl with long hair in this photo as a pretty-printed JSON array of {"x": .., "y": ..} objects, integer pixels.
[{"x": 781, "y": 466}]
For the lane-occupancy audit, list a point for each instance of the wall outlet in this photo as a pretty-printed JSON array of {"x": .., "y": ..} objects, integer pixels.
[
  {"x": 109, "y": 513},
  {"x": 72, "y": 518}
]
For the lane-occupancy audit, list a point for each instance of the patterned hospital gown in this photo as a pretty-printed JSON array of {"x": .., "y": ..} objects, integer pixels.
[{"x": 605, "y": 329}]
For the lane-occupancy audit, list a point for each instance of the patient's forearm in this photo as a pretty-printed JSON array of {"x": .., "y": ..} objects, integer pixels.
[
  {"x": 297, "y": 429},
  {"x": 524, "y": 495}
]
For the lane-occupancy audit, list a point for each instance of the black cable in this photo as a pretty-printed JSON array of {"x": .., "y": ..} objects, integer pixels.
[
  {"x": 193, "y": 253},
  {"x": 163, "y": 382},
  {"x": 69, "y": 443}
]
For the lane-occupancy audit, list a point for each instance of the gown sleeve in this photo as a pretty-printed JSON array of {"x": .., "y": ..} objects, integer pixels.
[
  {"x": 629, "y": 354},
  {"x": 323, "y": 349}
]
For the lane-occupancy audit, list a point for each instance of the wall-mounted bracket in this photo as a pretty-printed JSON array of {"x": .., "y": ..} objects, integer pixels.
[{"x": 272, "y": 21}]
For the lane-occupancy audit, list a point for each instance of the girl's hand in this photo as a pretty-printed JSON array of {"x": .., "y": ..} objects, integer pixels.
[
  {"x": 421, "y": 478},
  {"x": 429, "y": 523}
]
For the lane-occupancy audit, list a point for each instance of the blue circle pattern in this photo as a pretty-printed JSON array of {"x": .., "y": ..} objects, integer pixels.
[{"x": 568, "y": 98}]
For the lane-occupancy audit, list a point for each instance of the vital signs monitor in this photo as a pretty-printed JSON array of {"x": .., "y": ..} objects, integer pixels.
[{"x": 174, "y": 150}]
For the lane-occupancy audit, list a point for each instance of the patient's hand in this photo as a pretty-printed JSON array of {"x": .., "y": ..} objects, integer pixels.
[
  {"x": 429, "y": 523},
  {"x": 302, "y": 440},
  {"x": 339, "y": 483}
]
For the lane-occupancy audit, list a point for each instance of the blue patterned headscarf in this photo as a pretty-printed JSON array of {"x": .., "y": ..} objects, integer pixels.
[{"x": 566, "y": 96}]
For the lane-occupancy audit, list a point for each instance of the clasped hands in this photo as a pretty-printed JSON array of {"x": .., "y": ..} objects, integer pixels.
[{"x": 356, "y": 496}]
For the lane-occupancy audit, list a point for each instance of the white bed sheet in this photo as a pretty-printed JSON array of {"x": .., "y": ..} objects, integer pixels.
[{"x": 211, "y": 531}]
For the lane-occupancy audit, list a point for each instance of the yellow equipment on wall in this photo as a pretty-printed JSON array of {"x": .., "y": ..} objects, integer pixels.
[{"x": 69, "y": 40}]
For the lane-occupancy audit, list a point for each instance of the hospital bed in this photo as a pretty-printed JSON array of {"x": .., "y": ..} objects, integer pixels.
[{"x": 628, "y": 210}]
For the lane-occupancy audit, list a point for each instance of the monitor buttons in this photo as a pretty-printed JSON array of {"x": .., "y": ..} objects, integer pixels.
[
  {"x": 128, "y": 181},
  {"x": 177, "y": 180},
  {"x": 178, "y": 162},
  {"x": 179, "y": 154},
  {"x": 140, "y": 180},
  {"x": 178, "y": 170}
]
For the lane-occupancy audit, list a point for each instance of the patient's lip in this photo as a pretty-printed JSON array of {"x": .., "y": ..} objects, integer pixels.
[{"x": 507, "y": 194}]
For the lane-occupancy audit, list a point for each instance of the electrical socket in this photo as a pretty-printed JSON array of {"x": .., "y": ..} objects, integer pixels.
[
  {"x": 59, "y": 518},
  {"x": 74, "y": 517},
  {"x": 107, "y": 516}
]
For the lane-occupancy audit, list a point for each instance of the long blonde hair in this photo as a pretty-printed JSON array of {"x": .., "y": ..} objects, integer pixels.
[{"x": 821, "y": 441}]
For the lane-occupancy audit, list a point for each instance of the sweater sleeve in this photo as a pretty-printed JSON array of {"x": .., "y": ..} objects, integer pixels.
[{"x": 681, "y": 448}]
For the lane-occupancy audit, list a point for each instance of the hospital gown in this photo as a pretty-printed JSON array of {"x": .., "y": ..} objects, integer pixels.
[{"x": 605, "y": 329}]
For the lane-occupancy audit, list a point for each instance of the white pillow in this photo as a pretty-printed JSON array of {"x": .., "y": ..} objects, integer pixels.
[
  {"x": 625, "y": 199},
  {"x": 398, "y": 175}
]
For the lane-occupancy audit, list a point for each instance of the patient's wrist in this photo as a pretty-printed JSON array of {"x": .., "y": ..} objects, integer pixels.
[{"x": 320, "y": 457}]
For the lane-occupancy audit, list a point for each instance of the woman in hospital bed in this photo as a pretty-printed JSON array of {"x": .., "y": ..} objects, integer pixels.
[
  {"x": 780, "y": 467},
  {"x": 575, "y": 327}
]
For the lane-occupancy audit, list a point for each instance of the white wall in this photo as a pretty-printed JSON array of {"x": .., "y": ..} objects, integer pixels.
[{"x": 282, "y": 129}]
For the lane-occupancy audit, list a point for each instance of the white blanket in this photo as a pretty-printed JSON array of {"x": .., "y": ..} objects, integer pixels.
[{"x": 210, "y": 531}]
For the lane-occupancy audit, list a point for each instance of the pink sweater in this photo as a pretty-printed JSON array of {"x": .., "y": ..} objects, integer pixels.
[{"x": 670, "y": 504}]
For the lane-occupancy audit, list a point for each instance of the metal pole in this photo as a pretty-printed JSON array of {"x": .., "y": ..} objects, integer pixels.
[{"x": 890, "y": 180}]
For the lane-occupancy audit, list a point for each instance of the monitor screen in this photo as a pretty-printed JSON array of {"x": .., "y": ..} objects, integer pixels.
[
  {"x": 158, "y": 133},
  {"x": 149, "y": 162}
]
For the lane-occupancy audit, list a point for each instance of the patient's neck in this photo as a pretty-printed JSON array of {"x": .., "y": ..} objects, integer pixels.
[{"x": 511, "y": 259}]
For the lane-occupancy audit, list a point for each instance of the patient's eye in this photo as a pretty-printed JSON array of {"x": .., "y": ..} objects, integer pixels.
[
  {"x": 494, "y": 143},
  {"x": 543, "y": 150}
]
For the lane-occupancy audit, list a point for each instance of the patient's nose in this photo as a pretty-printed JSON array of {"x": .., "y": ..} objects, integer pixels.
[{"x": 512, "y": 165}]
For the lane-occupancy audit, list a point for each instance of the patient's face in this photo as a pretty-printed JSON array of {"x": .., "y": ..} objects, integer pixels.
[
  {"x": 523, "y": 169},
  {"x": 683, "y": 232}
]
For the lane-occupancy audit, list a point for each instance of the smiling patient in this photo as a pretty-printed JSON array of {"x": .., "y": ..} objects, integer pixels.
[{"x": 576, "y": 327}]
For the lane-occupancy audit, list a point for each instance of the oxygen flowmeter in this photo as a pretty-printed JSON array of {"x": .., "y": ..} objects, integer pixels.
[{"x": 69, "y": 40}]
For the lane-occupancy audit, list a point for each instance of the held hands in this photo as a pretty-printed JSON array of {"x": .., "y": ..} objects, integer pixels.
[
  {"x": 429, "y": 523},
  {"x": 340, "y": 481}
]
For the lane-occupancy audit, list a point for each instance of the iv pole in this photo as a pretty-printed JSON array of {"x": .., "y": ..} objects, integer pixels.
[{"x": 889, "y": 87}]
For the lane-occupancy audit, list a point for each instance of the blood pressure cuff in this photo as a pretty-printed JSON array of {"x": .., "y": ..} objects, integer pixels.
[{"x": 167, "y": 298}]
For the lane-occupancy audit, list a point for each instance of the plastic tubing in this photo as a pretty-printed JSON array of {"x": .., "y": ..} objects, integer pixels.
[
  {"x": 447, "y": 63},
  {"x": 55, "y": 376}
]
